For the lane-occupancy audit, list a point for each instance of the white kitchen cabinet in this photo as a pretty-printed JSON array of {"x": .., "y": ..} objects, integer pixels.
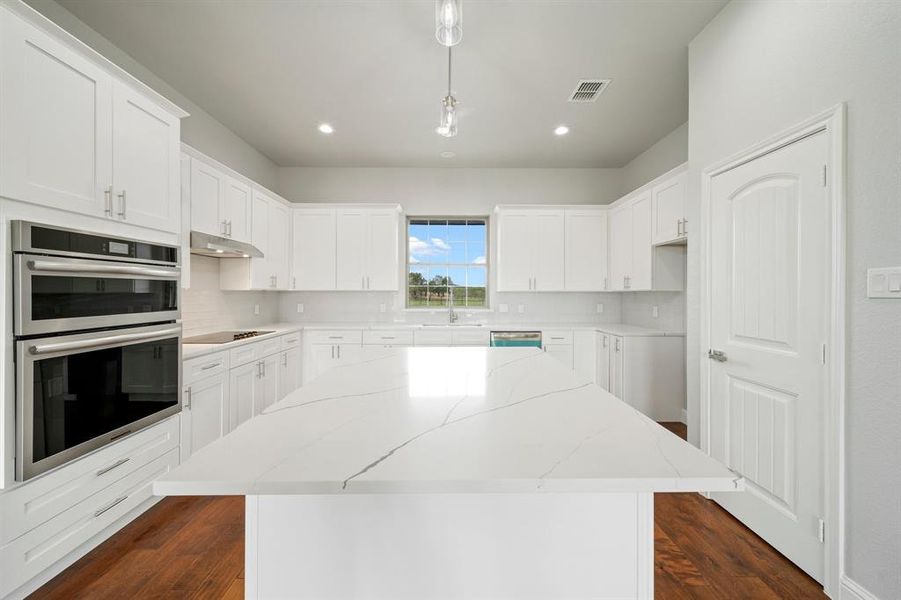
[
  {"x": 648, "y": 373},
  {"x": 325, "y": 349},
  {"x": 205, "y": 413},
  {"x": 642, "y": 252},
  {"x": 268, "y": 383},
  {"x": 668, "y": 223},
  {"x": 289, "y": 372},
  {"x": 367, "y": 251},
  {"x": 531, "y": 249},
  {"x": 243, "y": 391},
  {"x": 145, "y": 158},
  {"x": 388, "y": 338},
  {"x": 586, "y": 250},
  {"x": 620, "y": 246},
  {"x": 314, "y": 249},
  {"x": 559, "y": 344},
  {"x": 562, "y": 352},
  {"x": 270, "y": 224},
  {"x": 77, "y": 137},
  {"x": 603, "y": 360},
  {"x": 220, "y": 203},
  {"x": 585, "y": 354}
]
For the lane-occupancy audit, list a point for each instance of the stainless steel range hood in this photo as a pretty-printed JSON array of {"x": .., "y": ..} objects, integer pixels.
[{"x": 221, "y": 247}]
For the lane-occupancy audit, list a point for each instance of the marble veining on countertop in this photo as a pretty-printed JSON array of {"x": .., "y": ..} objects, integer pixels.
[
  {"x": 276, "y": 329},
  {"x": 447, "y": 420}
]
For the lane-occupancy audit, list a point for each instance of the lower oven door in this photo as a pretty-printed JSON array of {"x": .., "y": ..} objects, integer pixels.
[{"x": 76, "y": 393}]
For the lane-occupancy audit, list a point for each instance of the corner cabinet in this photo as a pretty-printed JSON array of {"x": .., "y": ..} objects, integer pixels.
[
  {"x": 668, "y": 224},
  {"x": 530, "y": 249},
  {"x": 347, "y": 248},
  {"x": 270, "y": 233},
  {"x": 80, "y": 135}
]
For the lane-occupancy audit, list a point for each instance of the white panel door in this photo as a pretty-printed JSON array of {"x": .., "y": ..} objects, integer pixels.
[
  {"x": 383, "y": 252},
  {"x": 242, "y": 393},
  {"x": 620, "y": 246},
  {"x": 207, "y": 418},
  {"x": 642, "y": 250},
  {"x": 56, "y": 122},
  {"x": 207, "y": 190},
  {"x": 238, "y": 209},
  {"x": 668, "y": 209},
  {"x": 320, "y": 359},
  {"x": 351, "y": 253},
  {"x": 261, "y": 276},
  {"x": 145, "y": 161},
  {"x": 586, "y": 250},
  {"x": 314, "y": 248},
  {"x": 516, "y": 241},
  {"x": 562, "y": 352},
  {"x": 549, "y": 256},
  {"x": 279, "y": 224},
  {"x": 769, "y": 253},
  {"x": 268, "y": 383},
  {"x": 289, "y": 371},
  {"x": 603, "y": 360}
]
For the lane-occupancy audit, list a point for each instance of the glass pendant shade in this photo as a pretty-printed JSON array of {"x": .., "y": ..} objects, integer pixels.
[
  {"x": 448, "y": 124},
  {"x": 448, "y": 22}
]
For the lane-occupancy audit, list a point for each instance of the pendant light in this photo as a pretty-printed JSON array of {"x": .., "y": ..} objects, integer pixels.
[
  {"x": 448, "y": 22},
  {"x": 448, "y": 124}
]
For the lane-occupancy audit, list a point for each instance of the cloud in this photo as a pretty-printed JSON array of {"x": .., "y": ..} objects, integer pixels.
[
  {"x": 441, "y": 244},
  {"x": 479, "y": 260},
  {"x": 436, "y": 246}
]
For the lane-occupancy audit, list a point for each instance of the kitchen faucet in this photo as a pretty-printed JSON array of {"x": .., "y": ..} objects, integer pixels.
[{"x": 451, "y": 315}]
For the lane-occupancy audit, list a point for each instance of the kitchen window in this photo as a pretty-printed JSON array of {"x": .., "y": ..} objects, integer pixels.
[{"x": 447, "y": 261}]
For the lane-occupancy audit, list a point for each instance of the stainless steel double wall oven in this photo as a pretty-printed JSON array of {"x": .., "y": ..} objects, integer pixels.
[{"x": 97, "y": 345}]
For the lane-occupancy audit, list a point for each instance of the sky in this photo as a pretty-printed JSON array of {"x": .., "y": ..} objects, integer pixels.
[{"x": 456, "y": 249}]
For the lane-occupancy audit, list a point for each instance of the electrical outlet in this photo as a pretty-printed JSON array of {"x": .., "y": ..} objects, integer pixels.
[
  {"x": 654, "y": 311},
  {"x": 256, "y": 309},
  {"x": 382, "y": 308},
  {"x": 503, "y": 308},
  {"x": 300, "y": 307},
  {"x": 600, "y": 308},
  {"x": 520, "y": 308}
]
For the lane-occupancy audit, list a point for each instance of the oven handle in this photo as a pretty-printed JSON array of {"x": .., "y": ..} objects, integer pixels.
[
  {"x": 52, "y": 265},
  {"x": 102, "y": 341}
]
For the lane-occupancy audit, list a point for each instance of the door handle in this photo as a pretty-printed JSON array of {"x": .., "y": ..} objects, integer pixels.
[
  {"x": 679, "y": 227},
  {"x": 187, "y": 404},
  {"x": 122, "y": 204},
  {"x": 108, "y": 201},
  {"x": 111, "y": 505},
  {"x": 684, "y": 226},
  {"x": 109, "y": 468},
  {"x": 717, "y": 355}
]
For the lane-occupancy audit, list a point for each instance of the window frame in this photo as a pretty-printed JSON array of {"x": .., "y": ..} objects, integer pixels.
[{"x": 407, "y": 264}]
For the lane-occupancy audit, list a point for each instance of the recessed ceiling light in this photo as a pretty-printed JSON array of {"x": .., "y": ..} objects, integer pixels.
[
  {"x": 326, "y": 128},
  {"x": 561, "y": 130},
  {"x": 448, "y": 154}
]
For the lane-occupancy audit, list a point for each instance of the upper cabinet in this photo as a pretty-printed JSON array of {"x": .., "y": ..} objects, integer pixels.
[
  {"x": 220, "y": 202},
  {"x": 79, "y": 136},
  {"x": 346, "y": 248},
  {"x": 270, "y": 227},
  {"x": 530, "y": 249},
  {"x": 586, "y": 250},
  {"x": 669, "y": 224}
]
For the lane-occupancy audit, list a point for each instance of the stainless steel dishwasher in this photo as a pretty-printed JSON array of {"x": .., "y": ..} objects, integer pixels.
[{"x": 515, "y": 339}]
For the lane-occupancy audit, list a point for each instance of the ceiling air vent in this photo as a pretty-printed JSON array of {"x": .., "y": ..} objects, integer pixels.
[{"x": 588, "y": 90}]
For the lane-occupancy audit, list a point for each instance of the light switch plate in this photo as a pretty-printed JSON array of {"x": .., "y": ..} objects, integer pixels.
[
  {"x": 655, "y": 312},
  {"x": 520, "y": 308},
  {"x": 600, "y": 308},
  {"x": 256, "y": 309},
  {"x": 382, "y": 308},
  {"x": 503, "y": 308},
  {"x": 300, "y": 307},
  {"x": 884, "y": 282}
]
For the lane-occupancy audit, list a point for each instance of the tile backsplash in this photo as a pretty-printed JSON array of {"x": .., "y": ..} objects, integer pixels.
[{"x": 206, "y": 308}]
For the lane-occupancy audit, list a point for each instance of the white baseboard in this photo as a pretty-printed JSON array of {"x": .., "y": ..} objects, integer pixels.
[
  {"x": 684, "y": 417},
  {"x": 851, "y": 590}
]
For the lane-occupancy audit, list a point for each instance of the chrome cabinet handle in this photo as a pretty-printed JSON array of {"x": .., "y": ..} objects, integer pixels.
[
  {"x": 294, "y": 283},
  {"x": 684, "y": 226},
  {"x": 187, "y": 403},
  {"x": 211, "y": 366},
  {"x": 717, "y": 355},
  {"x": 604, "y": 341},
  {"x": 122, "y": 204},
  {"x": 333, "y": 352},
  {"x": 679, "y": 227},
  {"x": 118, "y": 463},
  {"x": 102, "y": 341},
  {"x": 368, "y": 286},
  {"x": 605, "y": 283},
  {"x": 224, "y": 228},
  {"x": 339, "y": 351},
  {"x": 284, "y": 359},
  {"x": 616, "y": 345},
  {"x": 108, "y": 201},
  {"x": 229, "y": 228},
  {"x": 112, "y": 504},
  {"x": 80, "y": 267}
]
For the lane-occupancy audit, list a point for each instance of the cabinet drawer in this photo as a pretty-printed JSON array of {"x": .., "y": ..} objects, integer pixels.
[
  {"x": 251, "y": 352},
  {"x": 37, "y": 550},
  {"x": 33, "y": 503},
  {"x": 291, "y": 340},
  {"x": 202, "y": 367},
  {"x": 433, "y": 337},
  {"x": 342, "y": 336},
  {"x": 557, "y": 336},
  {"x": 475, "y": 337},
  {"x": 399, "y": 337}
]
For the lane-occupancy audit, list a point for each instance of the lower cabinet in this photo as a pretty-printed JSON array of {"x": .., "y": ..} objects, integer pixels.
[
  {"x": 289, "y": 371},
  {"x": 646, "y": 372},
  {"x": 323, "y": 357},
  {"x": 252, "y": 388},
  {"x": 205, "y": 413}
]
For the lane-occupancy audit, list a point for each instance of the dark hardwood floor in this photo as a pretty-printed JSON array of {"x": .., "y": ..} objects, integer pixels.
[{"x": 194, "y": 548}]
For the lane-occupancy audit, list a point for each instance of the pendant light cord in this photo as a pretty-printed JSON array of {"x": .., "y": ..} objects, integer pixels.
[{"x": 449, "y": 70}]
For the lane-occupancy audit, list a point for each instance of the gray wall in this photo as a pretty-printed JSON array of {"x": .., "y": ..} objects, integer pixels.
[
  {"x": 200, "y": 130},
  {"x": 670, "y": 151},
  {"x": 758, "y": 68}
]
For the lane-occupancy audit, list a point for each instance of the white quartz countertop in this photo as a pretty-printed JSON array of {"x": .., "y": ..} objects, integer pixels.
[
  {"x": 613, "y": 328},
  {"x": 277, "y": 329},
  {"x": 447, "y": 420}
]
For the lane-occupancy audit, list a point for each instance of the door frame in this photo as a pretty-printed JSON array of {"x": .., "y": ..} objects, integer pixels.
[{"x": 832, "y": 122}]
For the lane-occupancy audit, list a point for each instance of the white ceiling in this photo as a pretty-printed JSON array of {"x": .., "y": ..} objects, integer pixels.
[{"x": 272, "y": 70}]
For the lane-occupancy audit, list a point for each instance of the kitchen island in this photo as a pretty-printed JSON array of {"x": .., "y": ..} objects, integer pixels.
[{"x": 449, "y": 473}]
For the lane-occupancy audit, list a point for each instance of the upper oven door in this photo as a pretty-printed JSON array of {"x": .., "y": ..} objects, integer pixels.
[{"x": 55, "y": 294}]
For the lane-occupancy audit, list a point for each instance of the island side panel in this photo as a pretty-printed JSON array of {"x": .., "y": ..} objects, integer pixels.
[{"x": 450, "y": 546}]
